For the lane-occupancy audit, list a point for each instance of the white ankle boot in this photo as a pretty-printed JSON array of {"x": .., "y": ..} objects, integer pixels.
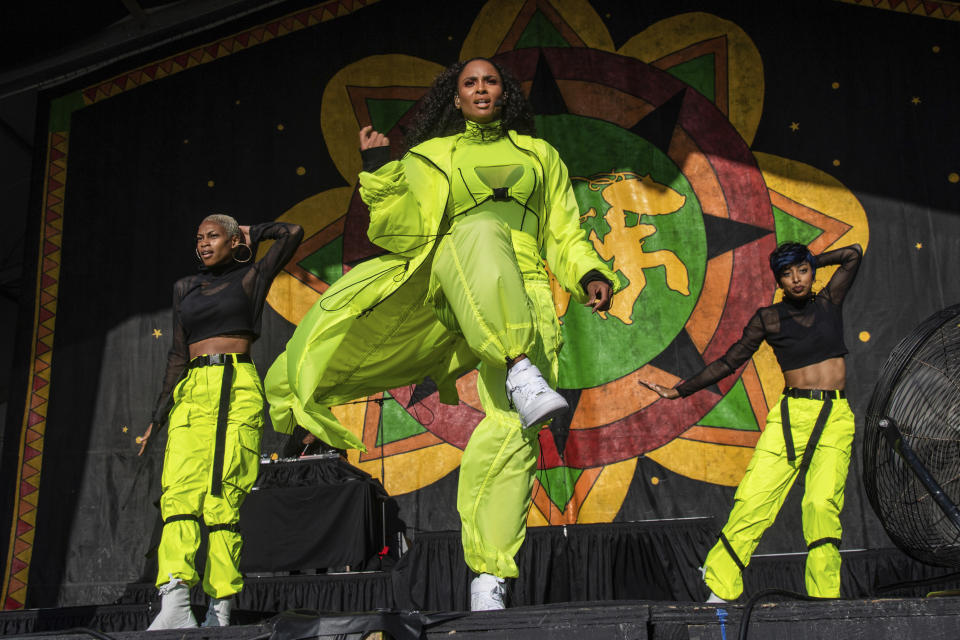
[
  {"x": 175, "y": 610},
  {"x": 533, "y": 398},
  {"x": 714, "y": 598},
  {"x": 218, "y": 612},
  {"x": 487, "y": 593}
]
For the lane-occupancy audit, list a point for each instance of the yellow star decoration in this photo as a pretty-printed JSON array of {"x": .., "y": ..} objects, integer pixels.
[
  {"x": 794, "y": 126},
  {"x": 919, "y": 245},
  {"x": 125, "y": 429},
  {"x": 274, "y": 456},
  {"x": 915, "y": 100},
  {"x": 157, "y": 333}
]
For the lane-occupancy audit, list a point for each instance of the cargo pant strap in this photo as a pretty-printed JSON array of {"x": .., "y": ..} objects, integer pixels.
[{"x": 223, "y": 413}]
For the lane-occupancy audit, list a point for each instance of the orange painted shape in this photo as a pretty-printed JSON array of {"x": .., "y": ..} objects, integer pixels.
[
  {"x": 599, "y": 406},
  {"x": 705, "y": 317}
]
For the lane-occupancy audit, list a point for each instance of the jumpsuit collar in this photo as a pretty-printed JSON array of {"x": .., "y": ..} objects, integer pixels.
[{"x": 487, "y": 132}]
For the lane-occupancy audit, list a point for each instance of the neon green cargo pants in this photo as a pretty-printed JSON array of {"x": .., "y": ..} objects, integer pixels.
[
  {"x": 489, "y": 284},
  {"x": 764, "y": 488},
  {"x": 188, "y": 476}
]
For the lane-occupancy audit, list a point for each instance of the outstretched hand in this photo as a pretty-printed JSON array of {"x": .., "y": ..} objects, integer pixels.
[
  {"x": 370, "y": 138},
  {"x": 665, "y": 392},
  {"x": 598, "y": 292},
  {"x": 142, "y": 440}
]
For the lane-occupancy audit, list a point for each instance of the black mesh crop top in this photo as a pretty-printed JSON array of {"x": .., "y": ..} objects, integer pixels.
[
  {"x": 801, "y": 332},
  {"x": 224, "y": 300}
]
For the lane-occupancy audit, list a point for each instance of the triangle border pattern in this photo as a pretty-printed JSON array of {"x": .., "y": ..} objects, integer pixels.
[
  {"x": 27, "y": 485},
  {"x": 221, "y": 48}
]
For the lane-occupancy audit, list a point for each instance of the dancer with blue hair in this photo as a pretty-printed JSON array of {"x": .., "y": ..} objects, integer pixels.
[{"x": 809, "y": 430}]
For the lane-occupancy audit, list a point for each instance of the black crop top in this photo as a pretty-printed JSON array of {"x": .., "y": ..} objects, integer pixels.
[
  {"x": 801, "y": 332},
  {"x": 224, "y": 300}
]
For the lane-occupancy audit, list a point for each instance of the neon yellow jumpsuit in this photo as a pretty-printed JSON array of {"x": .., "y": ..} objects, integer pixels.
[{"x": 494, "y": 202}]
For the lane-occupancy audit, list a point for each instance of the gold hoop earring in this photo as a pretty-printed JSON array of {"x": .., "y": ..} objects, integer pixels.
[{"x": 237, "y": 249}]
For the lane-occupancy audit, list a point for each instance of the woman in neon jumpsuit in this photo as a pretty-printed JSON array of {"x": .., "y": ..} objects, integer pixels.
[
  {"x": 213, "y": 444},
  {"x": 464, "y": 214},
  {"x": 809, "y": 431}
]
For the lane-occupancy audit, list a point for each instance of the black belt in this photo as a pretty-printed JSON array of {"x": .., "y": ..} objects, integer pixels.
[
  {"x": 219, "y": 358},
  {"x": 815, "y": 394}
]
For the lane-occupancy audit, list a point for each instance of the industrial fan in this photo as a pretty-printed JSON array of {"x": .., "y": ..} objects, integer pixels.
[{"x": 912, "y": 442}]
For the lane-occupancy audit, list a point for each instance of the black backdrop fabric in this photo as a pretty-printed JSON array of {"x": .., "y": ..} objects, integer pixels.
[{"x": 145, "y": 165}]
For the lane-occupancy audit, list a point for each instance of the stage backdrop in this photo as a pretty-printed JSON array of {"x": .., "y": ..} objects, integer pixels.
[{"x": 698, "y": 134}]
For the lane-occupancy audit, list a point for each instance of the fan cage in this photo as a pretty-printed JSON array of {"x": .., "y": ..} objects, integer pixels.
[{"x": 919, "y": 388}]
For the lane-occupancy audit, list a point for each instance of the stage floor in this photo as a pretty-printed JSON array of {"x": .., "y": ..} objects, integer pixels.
[{"x": 774, "y": 617}]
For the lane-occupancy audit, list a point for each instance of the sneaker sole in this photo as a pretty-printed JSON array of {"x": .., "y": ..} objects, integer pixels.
[{"x": 551, "y": 413}]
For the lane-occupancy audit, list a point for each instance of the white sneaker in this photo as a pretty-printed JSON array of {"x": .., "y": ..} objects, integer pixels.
[
  {"x": 486, "y": 593},
  {"x": 175, "y": 610},
  {"x": 715, "y": 599},
  {"x": 218, "y": 612},
  {"x": 533, "y": 398}
]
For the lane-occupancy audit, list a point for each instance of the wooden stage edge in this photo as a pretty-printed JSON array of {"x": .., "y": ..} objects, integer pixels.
[{"x": 772, "y": 617}]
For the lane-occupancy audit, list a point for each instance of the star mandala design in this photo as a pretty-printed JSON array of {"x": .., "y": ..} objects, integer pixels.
[{"x": 656, "y": 135}]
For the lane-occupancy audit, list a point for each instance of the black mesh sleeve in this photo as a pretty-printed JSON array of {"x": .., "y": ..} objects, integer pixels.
[
  {"x": 287, "y": 237},
  {"x": 256, "y": 283},
  {"x": 740, "y": 352},
  {"x": 849, "y": 260},
  {"x": 374, "y": 158},
  {"x": 177, "y": 359}
]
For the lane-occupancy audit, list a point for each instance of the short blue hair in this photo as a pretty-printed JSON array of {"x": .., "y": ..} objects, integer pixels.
[{"x": 789, "y": 254}]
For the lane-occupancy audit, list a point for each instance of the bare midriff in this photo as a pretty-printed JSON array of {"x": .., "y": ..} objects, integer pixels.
[
  {"x": 826, "y": 374},
  {"x": 220, "y": 344}
]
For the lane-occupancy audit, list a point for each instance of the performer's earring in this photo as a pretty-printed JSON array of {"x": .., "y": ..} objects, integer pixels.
[
  {"x": 198, "y": 255},
  {"x": 236, "y": 250}
]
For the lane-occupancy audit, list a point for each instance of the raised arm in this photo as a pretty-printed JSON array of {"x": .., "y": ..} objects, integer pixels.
[
  {"x": 849, "y": 260},
  {"x": 287, "y": 237},
  {"x": 400, "y": 221}
]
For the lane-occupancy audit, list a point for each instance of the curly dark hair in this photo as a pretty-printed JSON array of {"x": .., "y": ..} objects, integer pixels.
[{"x": 437, "y": 116}]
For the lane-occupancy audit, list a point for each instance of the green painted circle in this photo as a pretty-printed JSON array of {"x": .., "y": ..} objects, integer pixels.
[{"x": 596, "y": 350}]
